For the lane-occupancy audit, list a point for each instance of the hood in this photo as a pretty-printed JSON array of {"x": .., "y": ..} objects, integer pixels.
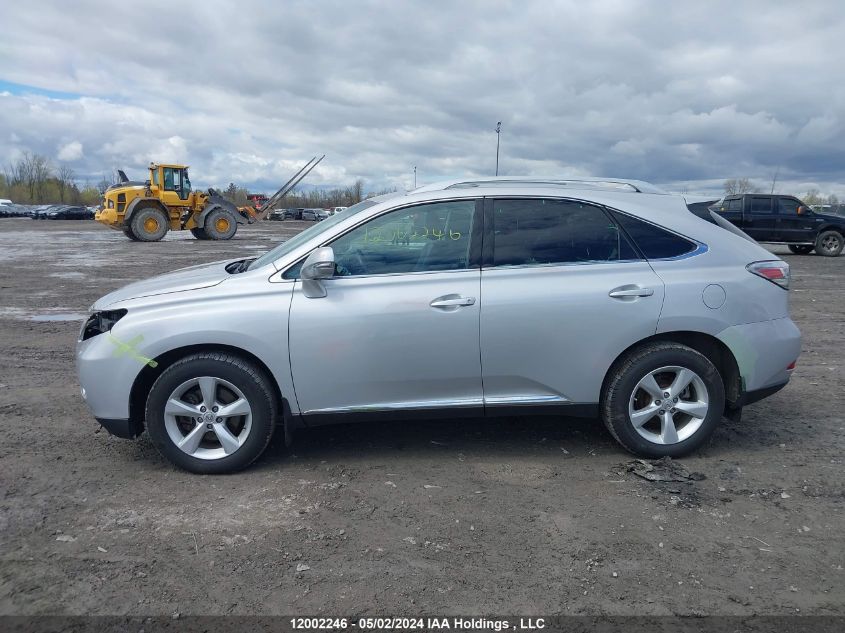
[
  {"x": 191, "y": 278},
  {"x": 833, "y": 219}
]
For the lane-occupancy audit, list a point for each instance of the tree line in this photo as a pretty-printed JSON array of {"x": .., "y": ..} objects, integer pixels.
[
  {"x": 315, "y": 198},
  {"x": 738, "y": 186},
  {"x": 34, "y": 179}
]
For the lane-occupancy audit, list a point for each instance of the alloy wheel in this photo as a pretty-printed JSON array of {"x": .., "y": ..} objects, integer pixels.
[
  {"x": 668, "y": 405},
  {"x": 207, "y": 417}
]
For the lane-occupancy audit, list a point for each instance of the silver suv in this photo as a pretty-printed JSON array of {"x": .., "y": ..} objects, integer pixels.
[{"x": 599, "y": 298}]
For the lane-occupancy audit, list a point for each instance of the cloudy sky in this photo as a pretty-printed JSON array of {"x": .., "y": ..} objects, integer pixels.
[{"x": 678, "y": 93}]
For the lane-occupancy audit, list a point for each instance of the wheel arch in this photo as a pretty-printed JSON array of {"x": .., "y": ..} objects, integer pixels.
[
  {"x": 149, "y": 374},
  {"x": 706, "y": 344},
  {"x": 831, "y": 227}
]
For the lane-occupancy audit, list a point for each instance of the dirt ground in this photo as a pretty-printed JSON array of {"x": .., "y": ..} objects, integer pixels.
[{"x": 524, "y": 516}]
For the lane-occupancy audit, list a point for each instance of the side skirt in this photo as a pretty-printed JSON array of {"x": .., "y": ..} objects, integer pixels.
[{"x": 575, "y": 410}]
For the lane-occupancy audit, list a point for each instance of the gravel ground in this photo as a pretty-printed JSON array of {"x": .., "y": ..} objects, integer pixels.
[{"x": 520, "y": 515}]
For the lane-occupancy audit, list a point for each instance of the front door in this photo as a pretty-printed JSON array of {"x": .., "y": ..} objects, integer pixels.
[
  {"x": 175, "y": 187},
  {"x": 398, "y": 327},
  {"x": 563, "y": 294},
  {"x": 795, "y": 226}
]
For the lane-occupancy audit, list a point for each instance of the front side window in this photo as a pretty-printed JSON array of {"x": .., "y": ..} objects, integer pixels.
[
  {"x": 428, "y": 237},
  {"x": 787, "y": 206},
  {"x": 735, "y": 205},
  {"x": 537, "y": 232},
  {"x": 172, "y": 179}
]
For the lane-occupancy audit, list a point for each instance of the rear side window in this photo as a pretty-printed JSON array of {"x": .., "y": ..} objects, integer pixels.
[
  {"x": 761, "y": 205},
  {"x": 542, "y": 231},
  {"x": 653, "y": 241}
]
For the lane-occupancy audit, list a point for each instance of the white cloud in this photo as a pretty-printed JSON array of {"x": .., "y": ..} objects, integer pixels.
[
  {"x": 671, "y": 93},
  {"x": 70, "y": 152}
]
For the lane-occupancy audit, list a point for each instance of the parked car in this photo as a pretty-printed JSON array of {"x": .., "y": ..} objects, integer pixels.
[
  {"x": 485, "y": 297},
  {"x": 278, "y": 214},
  {"x": 62, "y": 212},
  {"x": 335, "y": 210},
  {"x": 779, "y": 219},
  {"x": 315, "y": 215},
  {"x": 294, "y": 214},
  {"x": 5, "y": 202}
]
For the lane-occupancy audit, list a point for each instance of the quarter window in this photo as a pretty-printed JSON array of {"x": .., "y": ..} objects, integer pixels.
[
  {"x": 541, "y": 231},
  {"x": 429, "y": 237},
  {"x": 653, "y": 241}
]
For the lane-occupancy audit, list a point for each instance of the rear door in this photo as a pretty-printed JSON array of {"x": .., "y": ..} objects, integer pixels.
[
  {"x": 563, "y": 293},
  {"x": 760, "y": 218}
]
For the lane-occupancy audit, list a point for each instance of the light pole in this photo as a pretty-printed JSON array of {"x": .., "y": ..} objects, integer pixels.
[
  {"x": 415, "y": 176},
  {"x": 498, "y": 129}
]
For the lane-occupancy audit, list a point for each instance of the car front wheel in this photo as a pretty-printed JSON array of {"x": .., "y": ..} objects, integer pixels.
[
  {"x": 211, "y": 413},
  {"x": 830, "y": 243},
  {"x": 663, "y": 399}
]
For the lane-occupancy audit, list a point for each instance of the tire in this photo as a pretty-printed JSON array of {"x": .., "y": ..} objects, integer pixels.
[
  {"x": 624, "y": 396},
  {"x": 199, "y": 233},
  {"x": 220, "y": 224},
  {"x": 127, "y": 231},
  {"x": 801, "y": 249},
  {"x": 829, "y": 243},
  {"x": 149, "y": 224},
  {"x": 232, "y": 442}
]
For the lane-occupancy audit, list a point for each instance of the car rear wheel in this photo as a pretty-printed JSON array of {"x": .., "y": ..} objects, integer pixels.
[
  {"x": 211, "y": 413},
  {"x": 663, "y": 399},
  {"x": 149, "y": 224},
  {"x": 801, "y": 249},
  {"x": 220, "y": 224},
  {"x": 829, "y": 243}
]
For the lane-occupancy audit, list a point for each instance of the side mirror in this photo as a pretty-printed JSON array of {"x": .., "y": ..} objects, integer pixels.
[
  {"x": 317, "y": 266},
  {"x": 802, "y": 210}
]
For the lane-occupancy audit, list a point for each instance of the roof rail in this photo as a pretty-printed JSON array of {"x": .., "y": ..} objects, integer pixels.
[{"x": 613, "y": 184}]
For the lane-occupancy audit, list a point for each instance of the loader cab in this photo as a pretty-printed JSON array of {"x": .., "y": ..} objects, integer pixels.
[{"x": 172, "y": 182}]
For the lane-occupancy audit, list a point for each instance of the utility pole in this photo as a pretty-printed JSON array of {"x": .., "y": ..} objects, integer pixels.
[{"x": 498, "y": 130}]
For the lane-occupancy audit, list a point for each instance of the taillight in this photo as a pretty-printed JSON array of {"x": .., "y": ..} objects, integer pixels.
[{"x": 775, "y": 271}]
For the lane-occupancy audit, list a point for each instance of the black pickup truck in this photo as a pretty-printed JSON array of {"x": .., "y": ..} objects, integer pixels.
[{"x": 784, "y": 220}]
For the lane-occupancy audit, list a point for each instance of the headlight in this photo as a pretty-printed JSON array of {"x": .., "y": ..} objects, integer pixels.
[{"x": 101, "y": 322}]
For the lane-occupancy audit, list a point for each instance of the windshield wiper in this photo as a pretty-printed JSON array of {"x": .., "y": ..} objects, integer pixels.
[{"x": 239, "y": 266}]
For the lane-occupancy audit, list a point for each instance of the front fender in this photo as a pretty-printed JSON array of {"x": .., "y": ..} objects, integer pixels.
[{"x": 249, "y": 314}]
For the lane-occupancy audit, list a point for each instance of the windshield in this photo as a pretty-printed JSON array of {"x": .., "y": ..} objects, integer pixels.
[{"x": 312, "y": 231}]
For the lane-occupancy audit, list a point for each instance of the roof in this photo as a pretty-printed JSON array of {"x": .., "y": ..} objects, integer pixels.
[{"x": 612, "y": 184}]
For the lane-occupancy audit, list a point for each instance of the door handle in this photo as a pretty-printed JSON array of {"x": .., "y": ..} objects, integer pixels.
[
  {"x": 452, "y": 301},
  {"x": 621, "y": 293}
]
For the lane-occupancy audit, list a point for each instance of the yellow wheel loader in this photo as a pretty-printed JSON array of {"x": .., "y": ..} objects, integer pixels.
[{"x": 146, "y": 211}]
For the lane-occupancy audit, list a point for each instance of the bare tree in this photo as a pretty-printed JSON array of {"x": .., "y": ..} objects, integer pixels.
[
  {"x": 64, "y": 177},
  {"x": 736, "y": 186}
]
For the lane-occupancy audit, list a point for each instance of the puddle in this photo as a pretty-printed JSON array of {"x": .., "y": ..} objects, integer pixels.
[
  {"x": 64, "y": 313},
  {"x": 68, "y": 316},
  {"x": 73, "y": 275}
]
